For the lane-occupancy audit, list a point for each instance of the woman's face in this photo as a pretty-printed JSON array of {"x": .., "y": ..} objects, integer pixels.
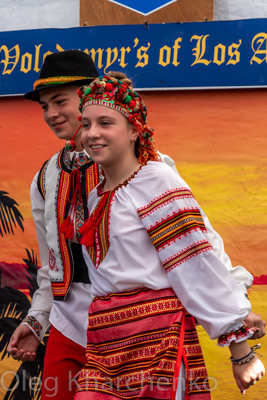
[
  {"x": 60, "y": 110},
  {"x": 107, "y": 135}
]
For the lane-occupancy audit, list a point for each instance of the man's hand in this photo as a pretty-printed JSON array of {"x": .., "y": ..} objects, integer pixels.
[
  {"x": 254, "y": 320},
  {"x": 23, "y": 344}
]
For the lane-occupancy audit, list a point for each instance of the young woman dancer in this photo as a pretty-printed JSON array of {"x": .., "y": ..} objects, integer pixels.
[{"x": 152, "y": 268}]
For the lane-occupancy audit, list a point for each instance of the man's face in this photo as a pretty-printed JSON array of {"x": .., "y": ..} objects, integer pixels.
[{"x": 60, "y": 110}]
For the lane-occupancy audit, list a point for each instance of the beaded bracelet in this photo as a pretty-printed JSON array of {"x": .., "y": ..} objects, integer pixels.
[
  {"x": 240, "y": 361},
  {"x": 248, "y": 357}
]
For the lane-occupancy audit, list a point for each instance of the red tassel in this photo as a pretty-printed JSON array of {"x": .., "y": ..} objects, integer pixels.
[
  {"x": 87, "y": 230},
  {"x": 64, "y": 226},
  {"x": 87, "y": 226},
  {"x": 89, "y": 238},
  {"x": 70, "y": 231}
]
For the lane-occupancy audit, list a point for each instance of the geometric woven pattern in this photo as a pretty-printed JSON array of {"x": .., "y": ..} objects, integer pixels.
[
  {"x": 34, "y": 324},
  {"x": 132, "y": 347}
]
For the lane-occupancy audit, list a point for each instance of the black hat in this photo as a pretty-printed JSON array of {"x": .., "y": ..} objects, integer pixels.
[{"x": 70, "y": 67}]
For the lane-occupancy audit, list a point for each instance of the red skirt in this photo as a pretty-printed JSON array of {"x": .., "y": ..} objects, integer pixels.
[{"x": 133, "y": 339}]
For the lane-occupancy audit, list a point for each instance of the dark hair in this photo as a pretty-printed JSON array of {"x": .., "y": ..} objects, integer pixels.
[{"x": 122, "y": 77}]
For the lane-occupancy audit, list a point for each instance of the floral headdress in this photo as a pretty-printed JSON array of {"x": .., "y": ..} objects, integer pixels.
[{"x": 113, "y": 93}]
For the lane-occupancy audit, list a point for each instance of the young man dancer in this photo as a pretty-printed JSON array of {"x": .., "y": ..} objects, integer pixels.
[{"x": 59, "y": 196}]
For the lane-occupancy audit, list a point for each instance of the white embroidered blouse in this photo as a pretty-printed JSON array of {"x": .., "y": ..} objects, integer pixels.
[{"x": 153, "y": 235}]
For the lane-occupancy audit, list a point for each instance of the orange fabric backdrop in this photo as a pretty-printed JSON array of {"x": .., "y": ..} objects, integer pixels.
[{"x": 218, "y": 141}]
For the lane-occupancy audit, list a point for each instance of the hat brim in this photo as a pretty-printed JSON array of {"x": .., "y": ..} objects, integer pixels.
[{"x": 34, "y": 95}]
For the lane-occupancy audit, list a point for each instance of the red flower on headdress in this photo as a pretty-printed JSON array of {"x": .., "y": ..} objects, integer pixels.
[
  {"x": 133, "y": 117},
  {"x": 122, "y": 92},
  {"x": 137, "y": 106},
  {"x": 132, "y": 104},
  {"x": 109, "y": 87},
  {"x": 148, "y": 131},
  {"x": 80, "y": 92}
]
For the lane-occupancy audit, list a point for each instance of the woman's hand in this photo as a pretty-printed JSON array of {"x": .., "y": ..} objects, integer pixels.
[{"x": 248, "y": 374}]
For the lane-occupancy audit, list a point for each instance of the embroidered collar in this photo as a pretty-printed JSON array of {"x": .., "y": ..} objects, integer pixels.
[
  {"x": 75, "y": 160},
  {"x": 100, "y": 191}
]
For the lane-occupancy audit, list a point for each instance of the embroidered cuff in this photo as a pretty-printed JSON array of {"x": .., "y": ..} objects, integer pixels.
[
  {"x": 34, "y": 325},
  {"x": 238, "y": 335}
]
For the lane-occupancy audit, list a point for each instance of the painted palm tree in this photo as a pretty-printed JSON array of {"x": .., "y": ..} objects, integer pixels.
[
  {"x": 14, "y": 305},
  {"x": 9, "y": 214}
]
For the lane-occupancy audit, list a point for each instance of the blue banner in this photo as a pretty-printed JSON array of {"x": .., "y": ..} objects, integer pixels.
[{"x": 216, "y": 54}]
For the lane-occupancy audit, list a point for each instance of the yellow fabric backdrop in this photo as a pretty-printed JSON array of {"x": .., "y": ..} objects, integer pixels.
[{"x": 218, "y": 141}]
